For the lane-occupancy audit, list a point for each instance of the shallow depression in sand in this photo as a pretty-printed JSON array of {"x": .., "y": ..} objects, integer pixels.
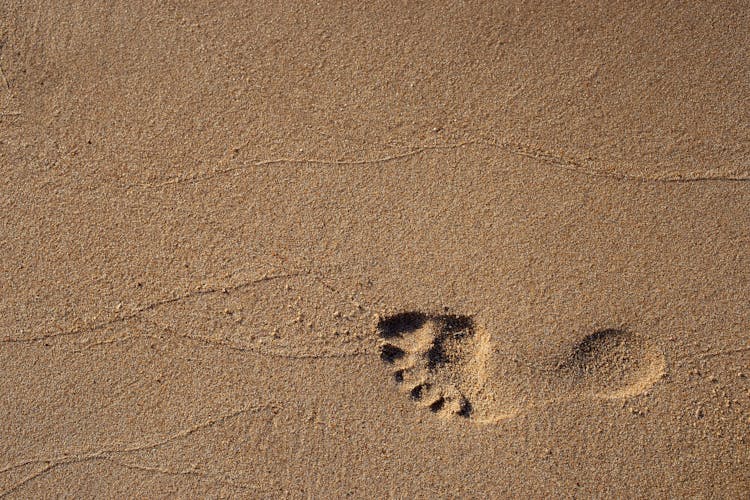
[{"x": 444, "y": 362}]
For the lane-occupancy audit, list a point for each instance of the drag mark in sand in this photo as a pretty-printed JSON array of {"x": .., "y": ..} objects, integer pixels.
[
  {"x": 591, "y": 168},
  {"x": 447, "y": 364},
  {"x": 109, "y": 453},
  {"x": 136, "y": 325},
  {"x": 148, "y": 307}
]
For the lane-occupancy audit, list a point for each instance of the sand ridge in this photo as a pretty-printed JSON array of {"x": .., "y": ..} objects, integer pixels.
[{"x": 589, "y": 166}]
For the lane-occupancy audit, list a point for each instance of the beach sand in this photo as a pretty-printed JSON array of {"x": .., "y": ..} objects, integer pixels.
[{"x": 396, "y": 250}]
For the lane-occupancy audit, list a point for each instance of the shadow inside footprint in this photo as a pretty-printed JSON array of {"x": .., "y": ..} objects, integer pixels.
[
  {"x": 599, "y": 348},
  {"x": 430, "y": 353},
  {"x": 398, "y": 324},
  {"x": 453, "y": 329},
  {"x": 391, "y": 353},
  {"x": 614, "y": 363}
]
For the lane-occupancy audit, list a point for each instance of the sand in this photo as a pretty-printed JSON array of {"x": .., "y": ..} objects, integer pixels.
[{"x": 374, "y": 250}]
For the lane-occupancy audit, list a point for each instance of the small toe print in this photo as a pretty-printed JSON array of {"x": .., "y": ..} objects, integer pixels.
[
  {"x": 418, "y": 392},
  {"x": 400, "y": 324},
  {"x": 437, "y": 405},
  {"x": 391, "y": 353}
]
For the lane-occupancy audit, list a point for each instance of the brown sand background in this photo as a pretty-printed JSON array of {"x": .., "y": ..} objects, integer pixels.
[{"x": 206, "y": 207}]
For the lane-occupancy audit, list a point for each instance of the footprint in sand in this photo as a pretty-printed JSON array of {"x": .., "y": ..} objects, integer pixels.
[{"x": 447, "y": 364}]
